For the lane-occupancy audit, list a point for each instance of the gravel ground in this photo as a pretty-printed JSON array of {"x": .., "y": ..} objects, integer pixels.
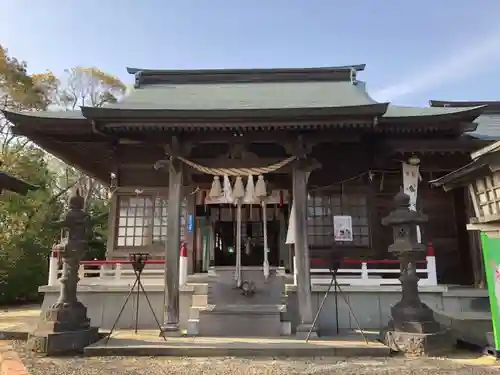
[{"x": 236, "y": 366}]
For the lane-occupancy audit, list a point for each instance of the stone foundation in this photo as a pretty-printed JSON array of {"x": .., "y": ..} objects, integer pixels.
[
  {"x": 417, "y": 344},
  {"x": 57, "y": 343}
]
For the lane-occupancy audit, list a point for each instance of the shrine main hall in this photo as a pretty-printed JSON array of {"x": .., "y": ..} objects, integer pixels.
[{"x": 257, "y": 174}]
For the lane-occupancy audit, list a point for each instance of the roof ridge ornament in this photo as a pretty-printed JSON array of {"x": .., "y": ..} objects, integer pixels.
[
  {"x": 353, "y": 75},
  {"x": 258, "y": 75},
  {"x": 138, "y": 76}
]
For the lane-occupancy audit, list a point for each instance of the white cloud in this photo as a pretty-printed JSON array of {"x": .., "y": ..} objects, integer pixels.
[{"x": 474, "y": 58}]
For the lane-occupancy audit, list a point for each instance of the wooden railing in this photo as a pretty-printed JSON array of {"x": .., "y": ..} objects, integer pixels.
[
  {"x": 371, "y": 272},
  {"x": 117, "y": 271},
  {"x": 352, "y": 271}
]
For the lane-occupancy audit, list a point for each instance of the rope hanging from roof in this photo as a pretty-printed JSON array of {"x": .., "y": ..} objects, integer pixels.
[
  {"x": 235, "y": 172},
  {"x": 238, "y": 195},
  {"x": 238, "y": 192}
]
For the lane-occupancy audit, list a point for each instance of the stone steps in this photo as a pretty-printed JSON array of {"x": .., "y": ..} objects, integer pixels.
[
  {"x": 238, "y": 320},
  {"x": 219, "y": 309}
]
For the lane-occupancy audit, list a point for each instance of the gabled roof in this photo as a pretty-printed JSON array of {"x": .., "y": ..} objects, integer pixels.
[
  {"x": 254, "y": 93},
  {"x": 228, "y": 100},
  {"x": 478, "y": 166},
  {"x": 488, "y": 123},
  {"x": 145, "y": 77},
  {"x": 242, "y": 93}
]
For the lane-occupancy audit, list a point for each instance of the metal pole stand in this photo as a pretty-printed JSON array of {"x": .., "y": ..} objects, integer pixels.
[
  {"x": 138, "y": 261},
  {"x": 334, "y": 267}
]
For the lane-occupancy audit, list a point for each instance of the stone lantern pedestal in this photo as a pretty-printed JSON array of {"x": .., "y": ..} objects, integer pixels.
[
  {"x": 412, "y": 328},
  {"x": 65, "y": 328}
]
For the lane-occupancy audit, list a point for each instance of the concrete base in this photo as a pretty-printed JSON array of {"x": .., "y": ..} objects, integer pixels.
[
  {"x": 470, "y": 327},
  {"x": 302, "y": 331},
  {"x": 490, "y": 339},
  {"x": 59, "y": 343},
  {"x": 371, "y": 305},
  {"x": 490, "y": 348},
  {"x": 104, "y": 302},
  {"x": 149, "y": 344},
  {"x": 418, "y": 344}
]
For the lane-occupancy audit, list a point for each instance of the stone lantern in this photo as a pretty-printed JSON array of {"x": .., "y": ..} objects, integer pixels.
[
  {"x": 64, "y": 327},
  {"x": 412, "y": 328}
]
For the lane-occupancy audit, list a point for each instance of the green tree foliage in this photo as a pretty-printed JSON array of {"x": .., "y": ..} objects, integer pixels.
[
  {"x": 21, "y": 91},
  {"x": 98, "y": 210},
  {"x": 27, "y": 230},
  {"x": 28, "y": 226}
]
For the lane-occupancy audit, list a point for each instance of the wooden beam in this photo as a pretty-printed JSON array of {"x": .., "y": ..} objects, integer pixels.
[
  {"x": 493, "y": 147},
  {"x": 324, "y": 136},
  {"x": 429, "y": 145},
  {"x": 273, "y": 137},
  {"x": 79, "y": 138},
  {"x": 491, "y": 230}
]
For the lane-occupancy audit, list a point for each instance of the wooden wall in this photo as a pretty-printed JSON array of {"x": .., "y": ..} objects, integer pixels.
[
  {"x": 446, "y": 229},
  {"x": 446, "y": 210}
]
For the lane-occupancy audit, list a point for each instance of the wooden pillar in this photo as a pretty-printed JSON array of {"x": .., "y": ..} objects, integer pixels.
[
  {"x": 172, "y": 250},
  {"x": 300, "y": 176},
  {"x": 475, "y": 248}
]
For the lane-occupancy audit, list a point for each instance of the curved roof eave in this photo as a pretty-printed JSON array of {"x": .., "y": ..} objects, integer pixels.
[
  {"x": 11, "y": 183},
  {"x": 463, "y": 103},
  {"x": 429, "y": 113},
  {"x": 43, "y": 115},
  {"x": 460, "y": 176},
  {"x": 357, "y": 67},
  {"x": 376, "y": 109}
]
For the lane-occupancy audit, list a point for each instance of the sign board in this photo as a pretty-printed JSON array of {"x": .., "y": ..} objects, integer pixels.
[
  {"x": 190, "y": 223},
  {"x": 342, "y": 228},
  {"x": 491, "y": 256}
]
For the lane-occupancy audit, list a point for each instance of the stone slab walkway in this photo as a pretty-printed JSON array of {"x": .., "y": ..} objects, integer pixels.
[
  {"x": 148, "y": 343},
  {"x": 15, "y": 360},
  {"x": 15, "y": 323}
]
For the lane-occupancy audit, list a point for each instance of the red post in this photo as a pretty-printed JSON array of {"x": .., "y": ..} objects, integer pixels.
[{"x": 430, "y": 249}]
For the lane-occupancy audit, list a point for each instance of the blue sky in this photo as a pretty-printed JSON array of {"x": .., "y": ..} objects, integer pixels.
[{"x": 414, "y": 50}]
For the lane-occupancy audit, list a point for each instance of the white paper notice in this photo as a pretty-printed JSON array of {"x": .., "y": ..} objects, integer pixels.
[{"x": 342, "y": 228}]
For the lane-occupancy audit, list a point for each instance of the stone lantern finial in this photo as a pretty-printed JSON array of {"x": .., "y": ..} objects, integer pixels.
[
  {"x": 76, "y": 201},
  {"x": 402, "y": 199}
]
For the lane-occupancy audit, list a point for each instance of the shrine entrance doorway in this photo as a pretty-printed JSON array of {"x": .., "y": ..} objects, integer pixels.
[{"x": 252, "y": 242}]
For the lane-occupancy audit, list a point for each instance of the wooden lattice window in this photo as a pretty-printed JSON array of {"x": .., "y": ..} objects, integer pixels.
[
  {"x": 322, "y": 209},
  {"x": 142, "y": 221},
  {"x": 487, "y": 190}
]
